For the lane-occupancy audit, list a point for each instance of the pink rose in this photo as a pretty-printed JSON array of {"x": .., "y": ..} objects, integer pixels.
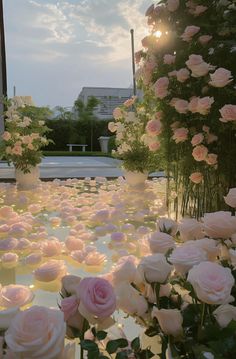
[
  {"x": 96, "y": 296},
  {"x": 185, "y": 257},
  {"x": 198, "y": 67},
  {"x": 153, "y": 127},
  {"x": 211, "y": 138},
  {"x": 154, "y": 268},
  {"x": 160, "y": 242},
  {"x": 17, "y": 150},
  {"x": 189, "y": 32},
  {"x": 169, "y": 59},
  {"x": 170, "y": 320},
  {"x": 15, "y": 295},
  {"x": 220, "y": 78},
  {"x": 204, "y": 105},
  {"x": 117, "y": 113},
  {"x": 228, "y": 113},
  {"x": 159, "y": 115},
  {"x": 196, "y": 177},
  {"x": 112, "y": 126},
  {"x": 181, "y": 106},
  {"x": 51, "y": 270},
  {"x": 69, "y": 306},
  {"x": 51, "y": 248},
  {"x": 211, "y": 159},
  {"x": 224, "y": 314},
  {"x": 204, "y": 39},
  {"x": 197, "y": 139},
  {"x": 172, "y": 73},
  {"x": 182, "y": 75},
  {"x": 130, "y": 101},
  {"x": 6, "y": 136},
  {"x": 37, "y": 332},
  {"x": 180, "y": 134},
  {"x": 211, "y": 282},
  {"x": 161, "y": 87},
  {"x": 200, "y": 153},
  {"x": 190, "y": 229},
  {"x": 230, "y": 199},
  {"x": 154, "y": 146},
  {"x": 172, "y": 5},
  {"x": 130, "y": 300},
  {"x": 198, "y": 10},
  {"x": 219, "y": 224}
]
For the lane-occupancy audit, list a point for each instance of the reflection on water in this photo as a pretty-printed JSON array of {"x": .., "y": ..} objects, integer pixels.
[{"x": 80, "y": 215}]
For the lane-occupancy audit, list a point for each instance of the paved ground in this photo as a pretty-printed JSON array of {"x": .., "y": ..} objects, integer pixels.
[{"x": 70, "y": 167}]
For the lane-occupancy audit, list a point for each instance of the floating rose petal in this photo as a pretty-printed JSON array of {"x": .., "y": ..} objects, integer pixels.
[{"x": 50, "y": 271}]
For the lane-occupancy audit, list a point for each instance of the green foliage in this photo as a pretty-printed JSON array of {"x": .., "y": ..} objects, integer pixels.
[{"x": 78, "y": 132}]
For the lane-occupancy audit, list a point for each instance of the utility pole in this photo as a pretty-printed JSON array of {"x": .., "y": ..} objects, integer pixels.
[
  {"x": 133, "y": 61},
  {"x": 3, "y": 70}
]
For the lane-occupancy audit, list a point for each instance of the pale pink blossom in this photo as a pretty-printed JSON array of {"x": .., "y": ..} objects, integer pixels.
[
  {"x": 198, "y": 10},
  {"x": 96, "y": 296},
  {"x": 37, "y": 332},
  {"x": 69, "y": 306},
  {"x": 198, "y": 66},
  {"x": 130, "y": 101},
  {"x": 228, "y": 113},
  {"x": 197, "y": 139},
  {"x": 211, "y": 282},
  {"x": 211, "y": 159},
  {"x": 153, "y": 127},
  {"x": 180, "y": 134},
  {"x": 172, "y": 73},
  {"x": 17, "y": 150},
  {"x": 182, "y": 75},
  {"x": 154, "y": 268},
  {"x": 6, "y": 136},
  {"x": 190, "y": 229},
  {"x": 117, "y": 113},
  {"x": 159, "y": 115},
  {"x": 204, "y": 39},
  {"x": 230, "y": 199},
  {"x": 172, "y": 5},
  {"x": 181, "y": 106},
  {"x": 170, "y": 320},
  {"x": 189, "y": 32},
  {"x": 15, "y": 295},
  {"x": 154, "y": 146},
  {"x": 130, "y": 300},
  {"x": 200, "y": 153},
  {"x": 51, "y": 270},
  {"x": 196, "y": 177},
  {"x": 161, "y": 87},
  {"x": 219, "y": 224},
  {"x": 169, "y": 59},
  {"x": 211, "y": 138},
  {"x": 204, "y": 105},
  {"x": 220, "y": 78}
]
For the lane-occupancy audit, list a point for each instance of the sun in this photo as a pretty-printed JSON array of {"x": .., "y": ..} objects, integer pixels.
[{"x": 157, "y": 33}]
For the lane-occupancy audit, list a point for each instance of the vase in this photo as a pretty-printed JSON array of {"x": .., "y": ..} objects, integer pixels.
[
  {"x": 135, "y": 178},
  {"x": 27, "y": 181}
]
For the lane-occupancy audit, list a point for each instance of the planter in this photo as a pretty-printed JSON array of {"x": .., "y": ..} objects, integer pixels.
[
  {"x": 27, "y": 181},
  {"x": 135, "y": 179}
]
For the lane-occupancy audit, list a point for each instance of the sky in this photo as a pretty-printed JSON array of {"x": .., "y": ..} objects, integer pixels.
[{"x": 54, "y": 48}]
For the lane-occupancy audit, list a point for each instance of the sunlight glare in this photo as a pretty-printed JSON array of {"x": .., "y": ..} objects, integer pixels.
[{"x": 157, "y": 33}]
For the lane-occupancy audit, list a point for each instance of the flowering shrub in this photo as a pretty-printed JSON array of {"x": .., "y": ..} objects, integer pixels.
[
  {"x": 188, "y": 74},
  {"x": 136, "y": 130},
  {"x": 23, "y": 138}
]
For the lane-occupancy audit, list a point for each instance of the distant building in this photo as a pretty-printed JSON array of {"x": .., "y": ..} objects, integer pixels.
[{"x": 109, "y": 97}]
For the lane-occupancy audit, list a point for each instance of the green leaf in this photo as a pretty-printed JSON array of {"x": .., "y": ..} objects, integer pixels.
[
  {"x": 113, "y": 345},
  {"x": 101, "y": 335},
  {"x": 122, "y": 355},
  {"x": 93, "y": 354},
  {"x": 88, "y": 345},
  {"x": 135, "y": 344},
  {"x": 151, "y": 332}
]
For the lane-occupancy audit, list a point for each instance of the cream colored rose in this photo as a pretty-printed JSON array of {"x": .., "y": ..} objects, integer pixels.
[
  {"x": 170, "y": 320},
  {"x": 130, "y": 300},
  {"x": 230, "y": 199},
  {"x": 185, "y": 257},
  {"x": 154, "y": 268},
  {"x": 37, "y": 332},
  {"x": 211, "y": 282},
  {"x": 224, "y": 314},
  {"x": 219, "y": 224},
  {"x": 160, "y": 242},
  {"x": 190, "y": 229}
]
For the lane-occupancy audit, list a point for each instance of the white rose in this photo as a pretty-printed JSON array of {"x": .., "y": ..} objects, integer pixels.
[
  {"x": 126, "y": 270},
  {"x": 170, "y": 320},
  {"x": 37, "y": 332},
  {"x": 167, "y": 225},
  {"x": 210, "y": 246},
  {"x": 186, "y": 256},
  {"x": 219, "y": 224},
  {"x": 160, "y": 242},
  {"x": 154, "y": 268},
  {"x": 211, "y": 282},
  {"x": 230, "y": 199},
  {"x": 224, "y": 314},
  {"x": 190, "y": 229},
  {"x": 130, "y": 300}
]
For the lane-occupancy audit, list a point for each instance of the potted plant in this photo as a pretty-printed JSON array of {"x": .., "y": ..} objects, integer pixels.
[
  {"x": 21, "y": 143},
  {"x": 136, "y": 145}
]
